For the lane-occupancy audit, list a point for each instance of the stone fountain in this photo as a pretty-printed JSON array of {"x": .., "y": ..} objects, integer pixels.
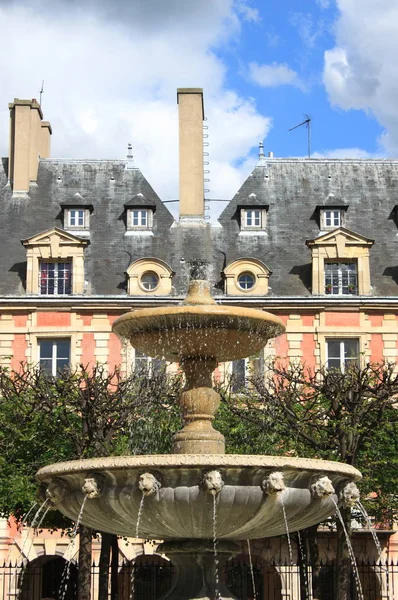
[{"x": 180, "y": 494}]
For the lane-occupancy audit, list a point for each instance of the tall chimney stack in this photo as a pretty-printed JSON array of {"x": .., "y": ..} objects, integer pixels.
[
  {"x": 191, "y": 115},
  {"x": 29, "y": 139}
]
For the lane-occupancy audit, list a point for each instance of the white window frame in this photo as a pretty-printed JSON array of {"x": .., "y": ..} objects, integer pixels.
[
  {"x": 54, "y": 358},
  {"x": 343, "y": 350},
  {"x": 144, "y": 217},
  {"x": 256, "y": 214},
  {"x": 56, "y": 278},
  {"x": 70, "y": 215},
  {"x": 342, "y": 282},
  {"x": 253, "y": 366},
  {"x": 331, "y": 218},
  {"x": 150, "y": 369},
  {"x": 246, "y": 289}
]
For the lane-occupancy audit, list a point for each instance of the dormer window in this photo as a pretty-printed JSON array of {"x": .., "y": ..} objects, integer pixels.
[
  {"x": 139, "y": 218},
  {"x": 77, "y": 218},
  {"x": 331, "y": 218},
  {"x": 252, "y": 219}
]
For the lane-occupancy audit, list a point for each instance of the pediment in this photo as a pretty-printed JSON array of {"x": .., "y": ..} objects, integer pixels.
[
  {"x": 54, "y": 235},
  {"x": 340, "y": 236}
]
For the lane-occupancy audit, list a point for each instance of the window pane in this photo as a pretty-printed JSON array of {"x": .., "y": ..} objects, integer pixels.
[
  {"x": 238, "y": 375},
  {"x": 54, "y": 355},
  {"x": 46, "y": 349},
  {"x": 246, "y": 281},
  {"x": 341, "y": 278},
  {"x": 341, "y": 352}
]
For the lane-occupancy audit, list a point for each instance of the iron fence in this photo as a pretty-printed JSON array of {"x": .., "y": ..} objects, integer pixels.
[{"x": 151, "y": 577}]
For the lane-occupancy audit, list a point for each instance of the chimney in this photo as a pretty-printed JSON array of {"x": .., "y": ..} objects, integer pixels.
[
  {"x": 29, "y": 138},
  {"x": 191, "y": 115},
  {"x": 45, "y": 139}
]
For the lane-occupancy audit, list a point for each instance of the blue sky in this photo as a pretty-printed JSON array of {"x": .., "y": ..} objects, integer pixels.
[{"x": 111, "y": 69}]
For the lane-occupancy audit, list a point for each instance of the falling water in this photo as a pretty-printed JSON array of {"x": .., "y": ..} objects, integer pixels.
[
  {"x": 351, "y": 552},
  {"x": 25, "y": 550},
  {"x": 65, "y": 575},
  {"x": 137, "y": 532},
  {"x": 303, "y": 558},
  {"x": 251, "y": 570},
  {"x": 287, "y": 532},
  {"x": 371, "y": 528},
  {"x": 376, "y": 541},
  {"x": 216, "y": 573}
]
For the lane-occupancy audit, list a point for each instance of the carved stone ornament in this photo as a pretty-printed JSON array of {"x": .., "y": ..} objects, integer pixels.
[
  {"x": 322, "y": 488},
  {"x": 148, "y": 484},
  {"x": 350, "y": 494},
  {"x": 212, "y": 482},
  {"x": 274, "y": 483}
]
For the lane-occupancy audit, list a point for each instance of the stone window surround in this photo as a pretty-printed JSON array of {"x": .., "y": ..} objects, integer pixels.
[
  {"x": 52, "y": 245},
  {"x": 256, "y": 267},
  {"x": 338, "y": 335},
  {"x": 34, "y": 349},
  {"x": 340, "y": 245},
  {"x": 243, "y": 218},
  {"x": 67, "y": 215},
  {"x": 149, "y": 218},
  {"x": 144, "y": 265}
]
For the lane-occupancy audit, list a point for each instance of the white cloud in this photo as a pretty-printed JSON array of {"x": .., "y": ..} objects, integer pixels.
[
  {"x": 361, "y": 71},
  {"x": 248, "y": 12},
  {"x": 308, "y": 30},
  {"x": 274, "y": 75},
  {"x": 111, "y": 71}
]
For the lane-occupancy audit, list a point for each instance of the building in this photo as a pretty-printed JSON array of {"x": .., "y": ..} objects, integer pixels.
[{"x": 311, "y": 240}]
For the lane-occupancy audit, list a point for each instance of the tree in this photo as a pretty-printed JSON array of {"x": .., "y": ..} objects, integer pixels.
[
  {"x": 78, "y": 414},
  {"x": 335, "y": 415}
]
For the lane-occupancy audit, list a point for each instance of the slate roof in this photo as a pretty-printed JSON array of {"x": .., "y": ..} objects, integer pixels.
[
  {"x": 106, "y": 185},
  {"x": 291, "y": 189}
]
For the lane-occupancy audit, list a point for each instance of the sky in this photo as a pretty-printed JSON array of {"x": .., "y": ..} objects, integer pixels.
[{"x": 111, "y": 69}]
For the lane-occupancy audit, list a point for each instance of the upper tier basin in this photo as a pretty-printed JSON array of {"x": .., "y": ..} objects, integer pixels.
[
  {"x": 223, "y": 332},
  {"x": 180, "y": 503}
]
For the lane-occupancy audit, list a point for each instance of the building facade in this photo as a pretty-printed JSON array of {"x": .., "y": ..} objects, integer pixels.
[{"x": 83, "y": 241}]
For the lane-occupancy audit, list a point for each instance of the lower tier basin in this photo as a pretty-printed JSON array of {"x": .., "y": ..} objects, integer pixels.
[{"x": 178, "y": 493}]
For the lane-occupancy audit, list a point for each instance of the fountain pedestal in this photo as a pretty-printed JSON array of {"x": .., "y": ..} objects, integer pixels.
[{"x": 196, "y": 575}]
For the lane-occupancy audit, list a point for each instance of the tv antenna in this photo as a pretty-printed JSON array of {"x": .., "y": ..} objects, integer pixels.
[
  {"x": 41, "y": 91},
  {"x": 307, "y": 123}
]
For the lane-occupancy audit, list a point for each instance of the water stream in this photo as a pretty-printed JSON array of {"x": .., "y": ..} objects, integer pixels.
[
  {"x": 251, "y": 570},
  {"x": 137, "y": 531},
  {"x": 351, "y": 552},
  {"x": 70, "y": 551},
  {"x": 29, "y": 539},
  {"x": 216, "y": 561},
  {"x": 287, "y": 532},
  {"x": 304, "y": 563}
]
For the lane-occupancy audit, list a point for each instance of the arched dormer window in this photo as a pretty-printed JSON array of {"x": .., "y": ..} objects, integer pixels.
[
  {"x": 246, "y": 276},
  {"x": 149, "y": 276}
]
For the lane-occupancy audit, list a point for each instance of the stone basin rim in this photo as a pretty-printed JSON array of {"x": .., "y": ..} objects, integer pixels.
[
  {"x": 175, "y": 461},
  {"x": 132, "y": 318}
]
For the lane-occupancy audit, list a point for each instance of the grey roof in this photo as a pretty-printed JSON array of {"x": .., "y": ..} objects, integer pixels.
[{"x": 292, "y": 190}]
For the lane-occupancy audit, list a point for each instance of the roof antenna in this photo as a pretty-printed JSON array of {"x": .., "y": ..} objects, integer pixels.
[
  {"x": 41, "y": 91},
  {"x": 307, "y": 122}
]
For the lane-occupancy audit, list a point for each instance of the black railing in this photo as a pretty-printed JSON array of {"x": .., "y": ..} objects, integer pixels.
[{"x": 151, "y": 577}]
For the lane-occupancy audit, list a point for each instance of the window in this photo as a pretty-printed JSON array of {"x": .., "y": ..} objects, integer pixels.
[
  {"x": 55, "y": 278},
  {"x": 246, "y": 281},
  {"x": 341, "y": 278},
  {"x": 54, "y": 355},
  {"x": 245, "y": 368},
  {"x": 252, "y": 218},
  {"x": 246, "y": 276},
  {"x": 341, "y": 352},
  {"x": 145, "y": 365},
  {"x": 139, "y": 218},
  {"x": 149, "y": 281},
  {"x": 77, "y": 218},
  {"x": 331, "y": 218}
]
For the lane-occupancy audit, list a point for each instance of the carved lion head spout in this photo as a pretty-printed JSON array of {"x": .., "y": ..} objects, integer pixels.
[
  {"x": 93, "y": 487},
  {"x": 322, "y": 487},
  {"x": 274, "y": 483},
  {"x": 148, "y": 484},
  {"x": 212, "y": 482},
  {"x": 56, "y": 491},
  {"x": 349, "y": 495}
]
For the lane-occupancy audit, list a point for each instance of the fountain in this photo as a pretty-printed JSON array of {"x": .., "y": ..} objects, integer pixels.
[{"x": 199, "y": 500}]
